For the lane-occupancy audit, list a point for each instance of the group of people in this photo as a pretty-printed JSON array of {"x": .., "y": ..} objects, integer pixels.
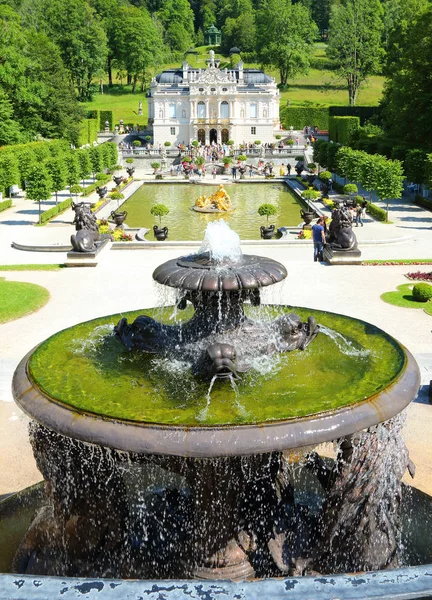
[{"x": 358, "y": 212}]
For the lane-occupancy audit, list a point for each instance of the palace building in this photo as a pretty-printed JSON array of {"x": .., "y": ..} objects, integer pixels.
[{"x": 213, "y": 105}]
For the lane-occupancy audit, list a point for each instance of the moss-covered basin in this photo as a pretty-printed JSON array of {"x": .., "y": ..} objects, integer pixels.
[{"x": 88, "y": 369}]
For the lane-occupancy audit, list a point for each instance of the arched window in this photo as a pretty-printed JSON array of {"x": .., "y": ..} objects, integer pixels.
[
  {"x": 224, "y": 110},
  {"x": 201, "y": 136},
  {"x": 201, "y": 110}
]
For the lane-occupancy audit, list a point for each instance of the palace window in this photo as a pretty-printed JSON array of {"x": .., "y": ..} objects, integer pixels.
[
  {"x": 253, "y": 130},
  {"x": 253, "y": 111},
  {"x": 172, "y": 130},
  {"x": 224, "y": 110},
  {"x": 201, "y": 110},
  {"x": 224, "y": 89},
  {"x": 172, "y": 111}
]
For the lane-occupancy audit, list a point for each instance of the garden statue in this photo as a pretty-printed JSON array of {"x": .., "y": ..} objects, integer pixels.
[
  {"x": 242, "y": 170},
  {"x": 87, "y": 230},
  {"x": 340, "y": 235},
  {"x": 140, "y": 108},
  {"x": 217, "y": 202}
]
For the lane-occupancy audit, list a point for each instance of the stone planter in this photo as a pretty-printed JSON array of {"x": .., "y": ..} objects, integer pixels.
[
  {"x": 118, "y": 217},
  {"x": 160, "y": 234},
  {"x": 267, "y": 232},
  {"x": 307, "y": 216}
]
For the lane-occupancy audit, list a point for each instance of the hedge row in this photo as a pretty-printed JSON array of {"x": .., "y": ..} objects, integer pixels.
[
  {"x": 105, "y": 115},
  {"x": 424, "y": 202},
  {"x": 55, "y": 210},
  {"x": 378, "y": 213},
  {"x": 91, "y": 188},
  {"x": 300, "y": 116},
  {"x": 88, "y": 131},
  {"x": 364, "y": 113},
  {"x": 341, "y": 128},
  {"x": 5, "y": 204}
]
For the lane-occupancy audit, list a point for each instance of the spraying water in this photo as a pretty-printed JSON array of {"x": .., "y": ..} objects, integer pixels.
[{"x": 221, "y": 242}]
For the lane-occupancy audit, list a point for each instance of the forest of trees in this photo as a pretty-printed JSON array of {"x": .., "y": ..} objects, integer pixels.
[{"x": 53, "y": 52}]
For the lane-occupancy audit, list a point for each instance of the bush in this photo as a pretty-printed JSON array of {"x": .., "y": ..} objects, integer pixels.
[
  {"x": 325, "y": 176},
  {"x": 227, "y": 160},
  {"x": 424, "y": 202},
  {"x": 311, "y": 166},
  {"x": 88, "y": 132},
  {"x": 378, "y": 213},
  {"x": 155, "y": 165},
  {"x": 105, "y": 115},
  {"x": 46, "y": 215},
  {"x": 278, "y": 137},
  {"x": 364, "y": 113},
  {"x": 167, "y": 144},
  {"x": 257, "y": 142},
  {"x": 299, "y": 158},
  {"x": 115, "y": 195},
  {"x": 290, "y": 142},
  {"x": 159, "y": 210},
  {"x": 130, "y": 161},
  {"x": 187, "y": 159},
  {"x": 195, "y": 143},
  {"x": 422, "y": 292},
  {"x": 310, "y": 194},
  {"x": 230, "y": 143},
  {"x": 350, "y": 188},
  {"x": 341, "y": 128},
  {"x": 241, "y": 157},
  {"x": 5, "y": 204},
  {"x": 136, "y": 143}
]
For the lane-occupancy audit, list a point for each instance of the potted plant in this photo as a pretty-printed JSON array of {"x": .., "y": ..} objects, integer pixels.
[
  {"x": 155, "y": 166},
  {"x": 130, "y": 161},
  {"x": 278, "y": 137},
  {"x": 195, "y": 143},
  {"x": 308, "y": 215},
  {"x": 227, "y": 160},
  {"x": 136, "y": 144},
  {"x": 325, "y": 177},
  {"x": 290, "y": 143},
  {"x": 167, "y": 144},
  {"x": 267, "y": 210},
  {"x": 230, "y": 143},
  {"x": 160, "y": 210},
  {"x": 257, "y": 142}
]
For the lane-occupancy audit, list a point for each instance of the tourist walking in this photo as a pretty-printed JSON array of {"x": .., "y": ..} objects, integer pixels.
[
  {"x": 318, "y": 237},
  {"x": 289, "y": 167},
  {"x": 234, "y": 171},
  {"x": 282, "y": 170},
  {"x": 358, "y": 215},
  {"x": 250, "y": 170},
  {"x": 214, "y": 172}
]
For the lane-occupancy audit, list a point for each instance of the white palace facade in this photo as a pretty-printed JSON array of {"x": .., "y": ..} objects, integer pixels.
[{"x": 213, "y": 105}]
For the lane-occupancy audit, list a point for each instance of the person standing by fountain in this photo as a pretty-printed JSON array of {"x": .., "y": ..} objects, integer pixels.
[{"x": 319, "y": 239}]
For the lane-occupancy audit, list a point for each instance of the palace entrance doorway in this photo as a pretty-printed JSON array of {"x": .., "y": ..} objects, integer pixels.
[{"x": 213, "y": 136}]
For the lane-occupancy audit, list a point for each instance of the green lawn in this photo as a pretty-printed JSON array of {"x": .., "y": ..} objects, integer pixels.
[
  {"x": 319, "y": 87},
  {"x": 403, "y": 297},
  {"x": 31, "y": 267},
  {"x": 18, "y": 299}
]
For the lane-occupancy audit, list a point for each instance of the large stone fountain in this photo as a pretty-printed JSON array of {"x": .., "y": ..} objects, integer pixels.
[{"x": 178, "y": 445}]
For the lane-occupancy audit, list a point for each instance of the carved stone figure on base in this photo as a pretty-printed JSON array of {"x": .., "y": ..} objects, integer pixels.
[
  {"x": 87, "y": 230},
  {"x": 340, "y": 235}
]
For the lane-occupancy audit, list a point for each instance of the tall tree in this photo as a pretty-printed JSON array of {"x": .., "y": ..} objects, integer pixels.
[
  {"x": 140, "y": 43},
  {"x": 57, "y": 170},
  {"x": 10, "y": 130},
  {"x": 286, "y": 34},
  {"x": 78, "y": 32},
  {"x": 39, "y": 186},
  {"x": 240, "y": 32},
  {"x": 355, "y": 41},
  {"x": 177, "y": 18}
]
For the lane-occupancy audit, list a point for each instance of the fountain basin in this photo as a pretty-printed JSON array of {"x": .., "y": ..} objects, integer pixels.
[{"x": 336, "y": 394}]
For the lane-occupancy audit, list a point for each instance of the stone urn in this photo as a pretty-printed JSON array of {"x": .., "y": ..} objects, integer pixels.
[
  {"x": 102, "y": 191},
  {"x": 267, "y": 232},
  {"x": 118, "y": 179},
  {"x": 307, "y": 216},
  {"x": 160, "y": 234},
  {"x": 118, "y": 217},
  {"x": 242, "y": 171},
  {"x": 130, "y": 171}
]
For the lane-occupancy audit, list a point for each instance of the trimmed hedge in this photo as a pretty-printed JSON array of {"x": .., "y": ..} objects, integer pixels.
[
  {"x": 55, "y": 210},
  {"x": 92, "y": 114},
  {"x": 5, "y": 204},
  {"x": 424, "y": 202},
  {"x": 378, "y": 213},
  {"x": 341, "y": 128},
  {"x": 300, "y": 116},
  {"x": 88, "y": 132},
  {"x": 422, "y": 292},
  {"x": 91, "y": 188},
  {"x": 105, "y": 115},
  {"x": 364, "y": 113}
]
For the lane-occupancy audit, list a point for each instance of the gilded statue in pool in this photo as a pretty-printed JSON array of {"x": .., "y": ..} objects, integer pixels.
[{"x": 217, "y": 202}]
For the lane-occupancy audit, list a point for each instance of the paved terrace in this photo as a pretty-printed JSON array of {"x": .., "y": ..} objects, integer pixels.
[{"x": 122, "y": 281}]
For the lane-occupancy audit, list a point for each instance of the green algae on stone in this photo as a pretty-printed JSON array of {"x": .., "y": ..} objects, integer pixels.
[{"x": 87, "y": 368}]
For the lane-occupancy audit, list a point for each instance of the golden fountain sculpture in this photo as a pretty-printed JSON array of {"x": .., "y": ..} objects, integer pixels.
[{"x": 217, "y": 202}]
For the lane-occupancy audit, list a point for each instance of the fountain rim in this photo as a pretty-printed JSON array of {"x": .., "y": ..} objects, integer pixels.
[{"x": 201, "y": 441}]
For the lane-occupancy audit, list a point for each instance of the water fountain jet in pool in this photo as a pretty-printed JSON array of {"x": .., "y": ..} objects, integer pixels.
[{"x": 134, "y": 491}]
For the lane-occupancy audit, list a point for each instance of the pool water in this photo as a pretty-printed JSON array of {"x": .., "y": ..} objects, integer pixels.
[
  {"x": 87, "y": 368},
  {"x": 186, "y": 224}
]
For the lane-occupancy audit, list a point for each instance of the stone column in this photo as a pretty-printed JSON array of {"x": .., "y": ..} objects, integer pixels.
[
  {"x": 219, "y": 134},
  {"x": 207, "y": 135}
]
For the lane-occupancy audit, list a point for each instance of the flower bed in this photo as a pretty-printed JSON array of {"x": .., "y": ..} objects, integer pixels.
[{"x": 419, "y": 276}]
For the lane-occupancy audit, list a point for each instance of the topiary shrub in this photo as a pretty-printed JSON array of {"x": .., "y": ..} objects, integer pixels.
[
  {"x": 159, "y": 210},
  {"x": 325, "y": 176},
  {"x": 257, "y": 142},
  {"x": 167, "y": 144},
  {"x": 312, "y": 167},
  {"x": 422, "y": 292},
  {"x": 136, "y": 143},
  {"x": 350, "y": 188},
  {"x": 195, "y": 143},
  {"x": 267, "y": 210},
  {"x": 227, "y": 160},
  {"x": 241, "y": 157},
  {"x": 310, "y": 194},
  {"x": 230, "y": 143},
  {"x": 278, "y": 137}
]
